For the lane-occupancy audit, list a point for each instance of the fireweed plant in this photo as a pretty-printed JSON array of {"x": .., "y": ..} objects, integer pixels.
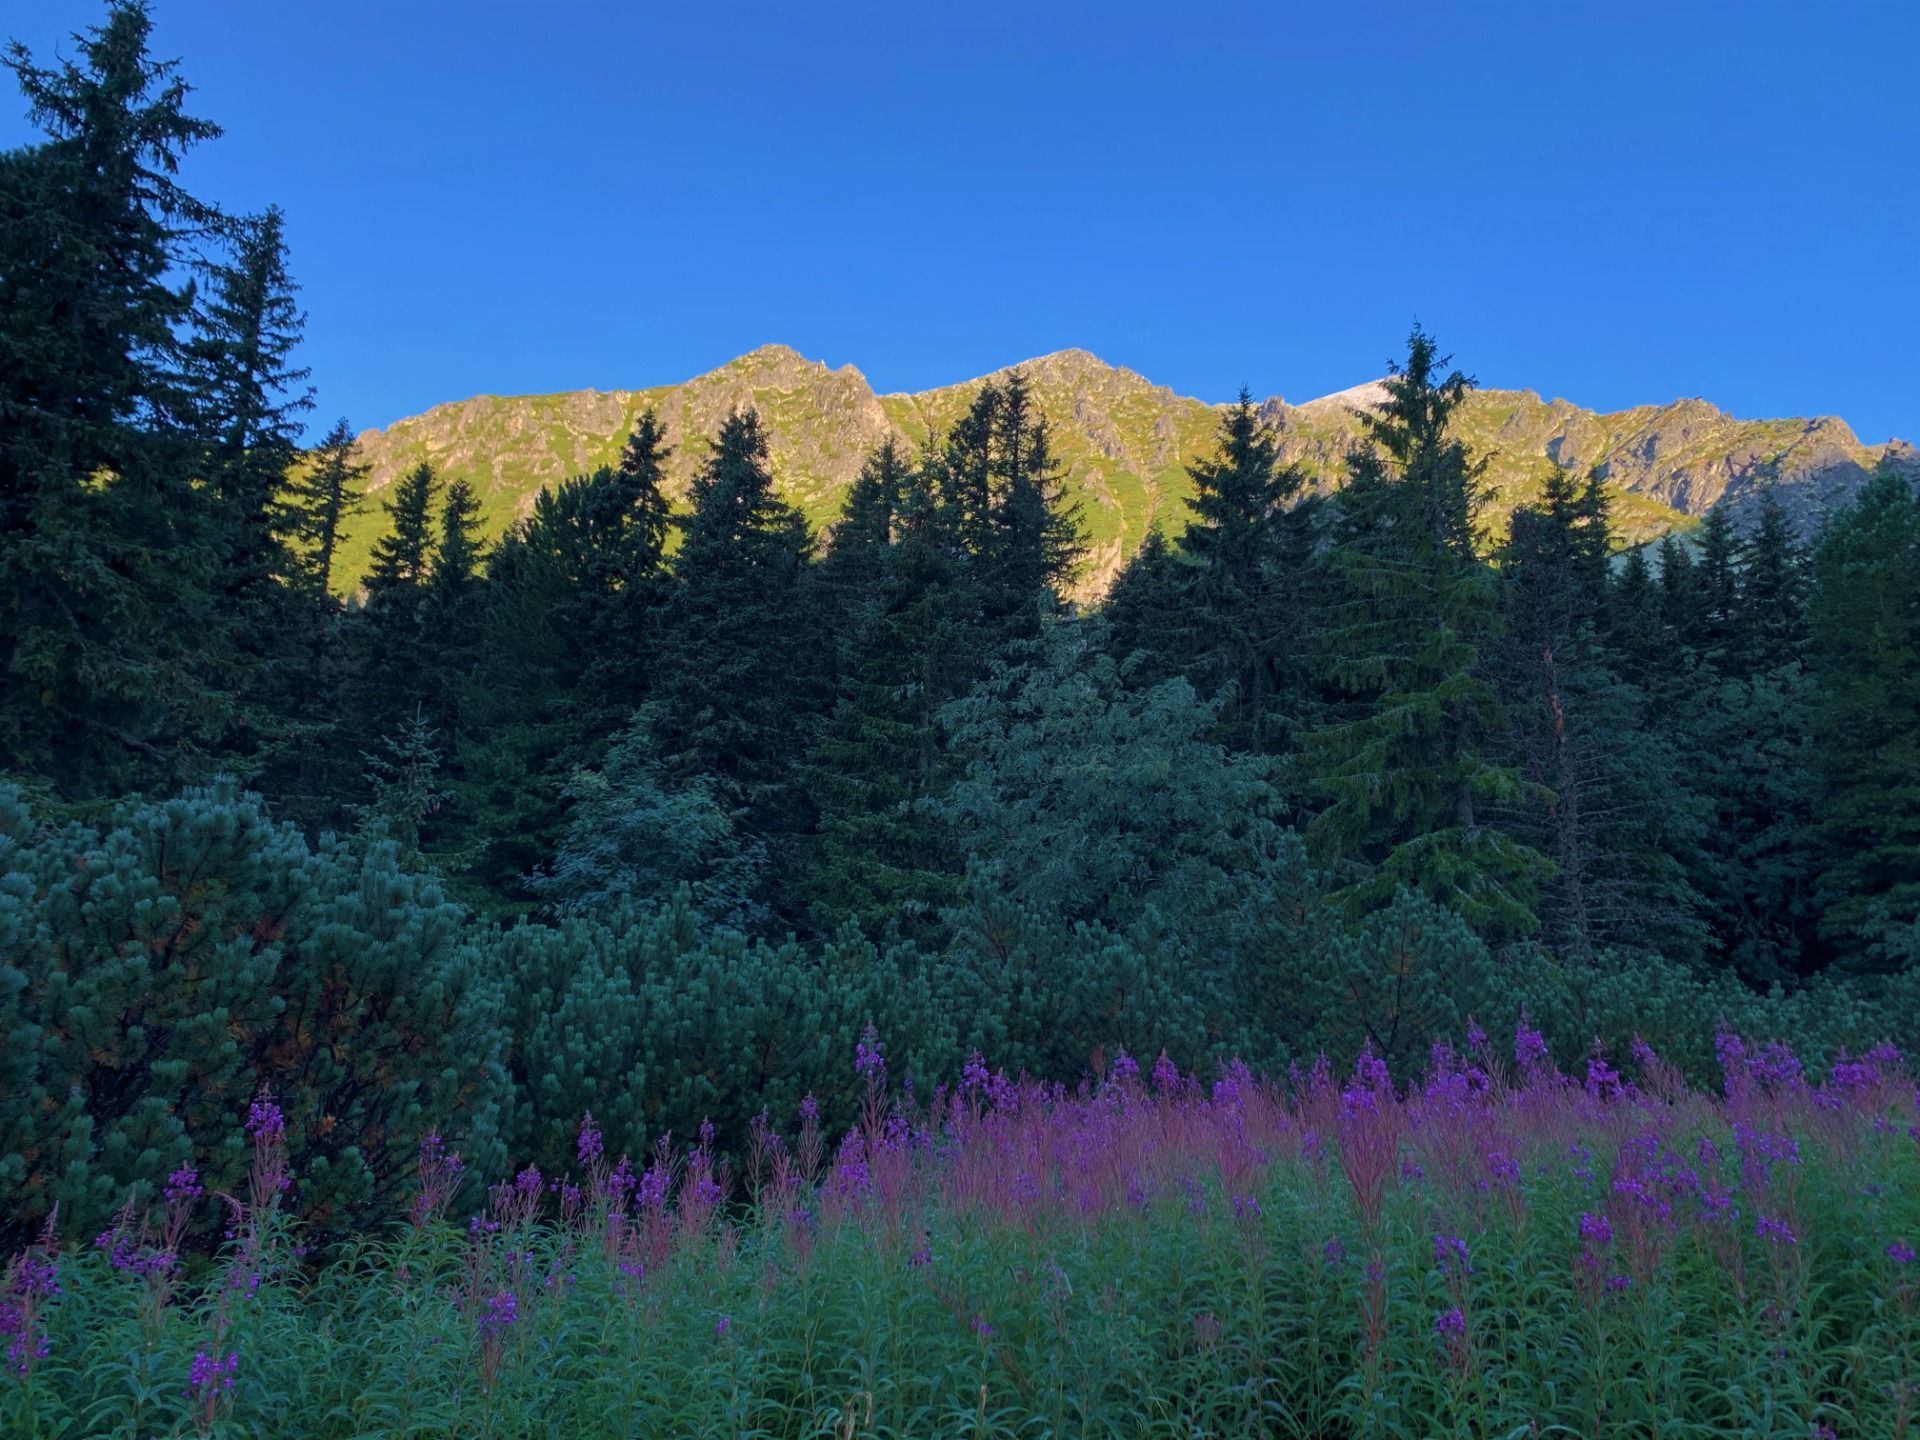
[{"x": 1500, "y": 1249}]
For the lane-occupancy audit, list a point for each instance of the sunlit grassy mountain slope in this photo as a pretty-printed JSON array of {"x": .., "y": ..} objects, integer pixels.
[{"x": 1126, "y": 443}]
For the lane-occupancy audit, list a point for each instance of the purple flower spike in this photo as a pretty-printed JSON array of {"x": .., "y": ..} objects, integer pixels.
[
  {"x": 590, "y": 1146},
  {"x": 867, "y": 1056}
]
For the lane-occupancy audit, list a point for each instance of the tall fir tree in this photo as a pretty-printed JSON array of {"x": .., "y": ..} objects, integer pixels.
[
  {"x": 1771, "y": 609},
  {"x": 1033, "y": 543},
  {"x": 571, "y": 639},
  {"x": 897, "y": 583},
  {"x": 1250, "y": 547},
  {"x": 1402, "y": 777},
  {"x": 740, "y": 669},
  {"x": 1865, "y": 658},
  {"x": 248, "y": 396},
  {"x": 108, "y": 552},
  {"x": 321, "y": 498},
  {"x": 1600, "y": 800},
  {"x": 403, "y": 557}
]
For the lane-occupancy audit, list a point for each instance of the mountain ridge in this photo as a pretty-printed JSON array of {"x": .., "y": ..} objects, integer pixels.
[{"x": 1125, "y": 439}]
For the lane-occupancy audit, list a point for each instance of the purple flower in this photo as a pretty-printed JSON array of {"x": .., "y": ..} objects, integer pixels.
[
  {"x": 183, "y": 1185},
  {"x": 1620, "y": 1282},
  {"x": 498, "y": 1314},
  {"x": 38, "y": 1276},
  {"x": 1900, "y": 1253},
  {"x": 982, "y": 1328},
  {"x": 1333, "y": 1252},
  {"x": 1603, "y": 1081},
  {"x": 973, "y": 1075},
  {"x": 1450, "y": 1322},
  {"x": 1778, "y": 1231},
  {"x": 1165, "y": 1074},
  {"x": 809, "y": 1109},
  {"x": 1450, "y": 1249},
  {"x": 721, "y": 1326},
  {"x": 589, "y": 1148},
  {"x": 210, "y": 1373},
  {"x": 264, "y": 1120},
  {"x": 867, "y": 1056},
  {"x": 1596, "y": 1229},
  {"x": 1529, "y": 1045},
  {"x": 1125, "y": 1067}
]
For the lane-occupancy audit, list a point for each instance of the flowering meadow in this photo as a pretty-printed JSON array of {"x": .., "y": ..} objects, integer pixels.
[{"x": 1495, "y": 1248}]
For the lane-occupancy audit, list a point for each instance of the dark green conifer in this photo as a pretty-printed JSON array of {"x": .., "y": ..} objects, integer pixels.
[
  {"x": 322, "y": 498},
  {"x": 1404, "y": 774},
  {"x": 1864, "y": 655}
]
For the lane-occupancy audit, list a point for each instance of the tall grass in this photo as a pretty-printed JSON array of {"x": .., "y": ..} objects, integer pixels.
[{"x": 1499, "y": 1250}]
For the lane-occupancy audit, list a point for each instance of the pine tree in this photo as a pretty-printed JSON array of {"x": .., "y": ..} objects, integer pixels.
[
  {"x": 1717, "y": 590},
  {"x": 1639, "y": 646},
  {"x": 1250, "y": 548},
  {"x": 403, "y": 557},
  {"x": 322, "y": 498},
  {"x": 854, "y": 569},
  {"x": 1601, "y": 793},
  {"x": 1403, "y": 777},
  {"x": 739, "y": 687},
  {"x": 1681, "y": 597},
  {"x": 389, "y": 655},
  {"x": 1033, "y": 542},
  {"x": 1865, "y": 660},
  {"x": 1147, "y": 611},
  {"x": 451, "y": 610},
  {"x": 249, "y": 395},
  {"x": 107, "y": 551},
  {"x": 570, "y": 642},
  {"x": 901, "y": 597},
  {"x": 1771, "y": 620}
]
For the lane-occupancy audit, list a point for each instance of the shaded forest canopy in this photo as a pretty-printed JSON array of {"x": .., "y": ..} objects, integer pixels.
[{"x": 650, "y": 808}]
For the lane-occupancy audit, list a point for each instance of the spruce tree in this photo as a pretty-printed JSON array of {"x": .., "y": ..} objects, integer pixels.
[
  {"x": 1772, "y": 601},
  {"x": 1403, "y": 775},
  {"x": 1717, "y": 590},
  {"x": 1865, "y": 660},
  {"x": 901, "y": 596},
  {"x": 403, "y": 557},
  {"x": 248, "y": 396},
  {"x": 108, "y": 551},
  {"x": 739, "y": 689},
  {"x": 1033, "y": 542},
  {"x": 570, "y": 643},
  {"x": 322, "y": 498},
  {"x": 388, "y": 650},
  {"x": 1250, "y": 554},
  {"x": 1601, "y": 796}
]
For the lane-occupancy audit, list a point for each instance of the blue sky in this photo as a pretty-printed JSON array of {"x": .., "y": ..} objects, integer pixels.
[{"x": 1616, "y": 203}]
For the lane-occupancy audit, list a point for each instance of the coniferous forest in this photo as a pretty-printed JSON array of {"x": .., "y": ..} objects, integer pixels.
[{"x": 654, "y": 848}]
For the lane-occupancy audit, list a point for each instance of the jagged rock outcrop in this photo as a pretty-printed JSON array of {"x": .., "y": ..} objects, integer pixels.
[{"x": 1126, "y": 443}]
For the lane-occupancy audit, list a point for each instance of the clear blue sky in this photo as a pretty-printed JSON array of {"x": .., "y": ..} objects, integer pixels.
[{"x": 1618, "y": 203}]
